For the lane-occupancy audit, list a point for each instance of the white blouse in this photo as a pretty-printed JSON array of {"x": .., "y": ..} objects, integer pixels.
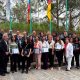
[
  {"x": 58, "y": 46},
  {"x": 45, "y": 44},
  {"x": 51, "y": 44},
  {"x": 45, "y": 47}
]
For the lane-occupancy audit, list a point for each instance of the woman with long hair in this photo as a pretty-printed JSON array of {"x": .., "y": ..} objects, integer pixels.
[
  {"x": 50, "y": 43},
  {"x": 26, "y": 52},
  {"x": 45, "y": 50},
  {"x": 38, "y": 52},
  {"x": 59, "y": 46},
  {"x": 14, "y": 54}
]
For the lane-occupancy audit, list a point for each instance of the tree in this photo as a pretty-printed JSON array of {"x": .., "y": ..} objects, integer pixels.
[
  {"x": 73, "y": 5},
  {"x": 20, "y": 11},
  {"x": 2, "y": 12}
]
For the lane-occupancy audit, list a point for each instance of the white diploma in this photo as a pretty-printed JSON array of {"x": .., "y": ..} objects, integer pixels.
[
  {"x": 59, "y": 47},
  {"x": 15, "y": 51},
  {"x": 37, "y": 51},
  {"x": 45, "y": 50}
]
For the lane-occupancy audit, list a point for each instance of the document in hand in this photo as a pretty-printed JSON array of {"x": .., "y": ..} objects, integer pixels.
[{"x": 15, "y": 51}]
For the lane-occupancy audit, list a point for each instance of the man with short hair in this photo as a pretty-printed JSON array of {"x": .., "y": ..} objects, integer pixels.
[
  {"x": 1, "y": 34},
  {"x": 4, "y": 54}
]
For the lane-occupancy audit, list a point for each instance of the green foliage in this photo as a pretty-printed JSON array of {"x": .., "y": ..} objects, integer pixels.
[
  {"x": 78, "y": 29},
  {"x": 73, "y": 4},
  {"x": 2, "y": 10},
  {"x": 44, "y": 27},
  {"x": 20, "y": 11}
]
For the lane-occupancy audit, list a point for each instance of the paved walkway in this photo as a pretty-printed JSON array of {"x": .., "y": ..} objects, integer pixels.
[{"x": 44, "y": 75}]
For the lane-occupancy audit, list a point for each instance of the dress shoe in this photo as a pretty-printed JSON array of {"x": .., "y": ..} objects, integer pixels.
[
  {"x": 67, "y": 70},
  {"x": 26, "y": 71},
  {"x": 77, "y": 67},
  {"x": 22, "y": 71},
  {"x": 12, "y": 71},
  {"x": 7, "y": 72},
  {"x": 15, "y": 70},
  {"x": 19, "y": 69},
  {"x": 2, "y": 74}
]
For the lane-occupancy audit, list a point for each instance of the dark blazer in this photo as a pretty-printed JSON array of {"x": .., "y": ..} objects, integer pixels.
[
  {"x": 3, "y": 47},
  {"x": 1, "y": 35}
]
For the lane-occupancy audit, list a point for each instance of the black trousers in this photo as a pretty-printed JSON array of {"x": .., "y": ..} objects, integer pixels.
[
  {"x": 3, "y": 63},
  {"x": 72, "y": 62},
  {"x": 14, "y": 62},
  {"x": 31, "y": 57},
  {"x": 76, "y": 55},
  {"x": 45, "y": 60},
  {"x": 19, "y": 59},
  {"x": 51, "y": 58},
  {"x": 59, "y": 55},
  {"x": 26, "y": 62}
]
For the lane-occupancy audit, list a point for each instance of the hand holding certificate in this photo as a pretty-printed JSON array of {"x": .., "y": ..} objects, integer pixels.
[
  {"x": 37, "y": 51},
  {"x": 45, "y": 50},
  {"x": 15, "y": 51}
]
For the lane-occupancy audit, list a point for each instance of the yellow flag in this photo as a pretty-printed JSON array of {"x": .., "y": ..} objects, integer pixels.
[{"x": 49, "y": 11}]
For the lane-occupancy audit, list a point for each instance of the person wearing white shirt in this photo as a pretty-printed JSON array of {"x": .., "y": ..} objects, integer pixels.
[
  {"x": 59, "y": 46},
  {"x": 50, "y": 43},
  {"x": 68, "y": 53},
  {"x": 45, "y": 50}
]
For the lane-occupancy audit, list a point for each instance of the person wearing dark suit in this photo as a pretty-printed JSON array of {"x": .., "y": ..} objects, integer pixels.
[
  {"x": 19, "y": 43},
  {"x": 1, "y": 35},
  {"x": 76, "y": 46},
  {"x": 3, "y": 54}
]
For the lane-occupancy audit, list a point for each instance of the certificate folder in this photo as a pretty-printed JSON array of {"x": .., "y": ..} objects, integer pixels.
[{"x": 15, "y": 51}]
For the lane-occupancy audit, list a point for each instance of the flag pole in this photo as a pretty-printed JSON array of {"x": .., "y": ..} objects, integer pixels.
[
  {"x": 51, "y": 21},
  {"x": 30, "y": 20},
  {"x": 10, "y": 17},
  {"x": 50, "y": 26},
  {"x": 10, "y": 23},
  {"x": 67, "y": 15},
  {"x": 29, "y": 16}
]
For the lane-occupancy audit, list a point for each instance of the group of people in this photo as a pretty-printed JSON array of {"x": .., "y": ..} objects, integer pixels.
[{"x": 42, "y": 50}]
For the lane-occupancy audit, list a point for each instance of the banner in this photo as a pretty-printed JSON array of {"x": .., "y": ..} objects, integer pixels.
[
  {"x": 28, "y": 10},
  {"x": 49, "y": 10}
]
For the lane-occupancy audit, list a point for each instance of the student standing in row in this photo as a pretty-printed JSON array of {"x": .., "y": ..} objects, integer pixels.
[
  {"x": 45, "y": 51},
  {"x": 76, "y": 51},
  {"x": 14, "y": 55},
  {"x": 68, "y": 53},
  {"x": 50, "y": 43},
  {"x": 26, "y": 52},
  {"x": 4, "y": 54},
  {"x": 38, "y": 52},
  {"x": 59, "y": 46}
]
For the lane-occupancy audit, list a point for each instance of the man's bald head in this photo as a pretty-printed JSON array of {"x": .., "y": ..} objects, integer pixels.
[
  {"x": 18, "y": 32},
  {"x": 34, "y": 33}
]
